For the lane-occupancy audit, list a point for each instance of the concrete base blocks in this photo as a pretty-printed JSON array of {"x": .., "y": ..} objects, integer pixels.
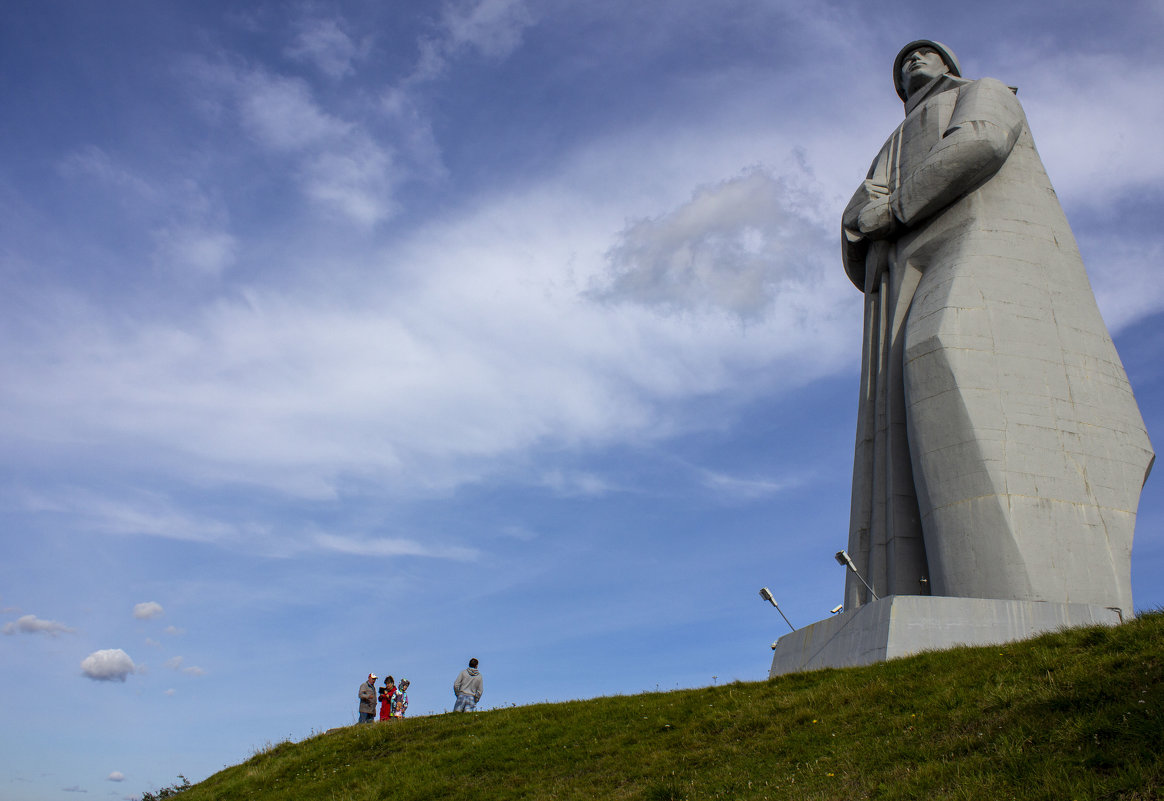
[{"x": 901, "y": 625}]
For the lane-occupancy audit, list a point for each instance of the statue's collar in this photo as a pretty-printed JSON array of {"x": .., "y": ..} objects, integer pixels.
[{"x": 940, "y": 84}]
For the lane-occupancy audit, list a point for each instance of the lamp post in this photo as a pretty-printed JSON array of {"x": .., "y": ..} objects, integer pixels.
[
  {"x": 766, "y": 594},
  {"x": 844, "y": 560}
]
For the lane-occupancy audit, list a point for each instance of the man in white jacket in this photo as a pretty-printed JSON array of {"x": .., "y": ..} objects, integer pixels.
[{"x": 467, "y": 688}]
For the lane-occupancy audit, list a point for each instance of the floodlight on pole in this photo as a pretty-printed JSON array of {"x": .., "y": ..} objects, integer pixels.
[
  {"x": 844, "y": 560},
  {"x": 766, "y": 594}
]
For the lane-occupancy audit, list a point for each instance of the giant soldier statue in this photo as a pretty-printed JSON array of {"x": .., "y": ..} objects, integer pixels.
[{"x": 1000, "y": 452}]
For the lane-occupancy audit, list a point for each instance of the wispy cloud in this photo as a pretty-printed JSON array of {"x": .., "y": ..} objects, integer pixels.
[
  {"x": 95, "y": 163},
  {"x": 491, "y": 28},
  {"x": 140, "y": 515},
  {"x": 148, "y": 610},
  {"x": 111, "y": 664},
  {"x": 178, "y": 663},
  {"x": 389, "y": 547},
  {"x": 575, "y": 483},
  {"x": 115, "y": 776},
  {"x": 746, "y": 488},
  {"x": 195, "y": 248},
  {"x": 733, "y": 246},
  {"x": 327, "y": 44},
  {"x": 341, "y": 161},
  {"x": 31, "y": 624}
]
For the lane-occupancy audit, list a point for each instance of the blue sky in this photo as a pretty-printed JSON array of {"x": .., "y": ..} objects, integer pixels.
[{"x": 347, "y": 337}]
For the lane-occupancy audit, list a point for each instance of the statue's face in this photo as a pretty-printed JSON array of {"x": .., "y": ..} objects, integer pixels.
[{"x": 920, "y": 67}]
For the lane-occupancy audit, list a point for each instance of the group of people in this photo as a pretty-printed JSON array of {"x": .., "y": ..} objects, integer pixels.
[{"x": 393, "y": 700}]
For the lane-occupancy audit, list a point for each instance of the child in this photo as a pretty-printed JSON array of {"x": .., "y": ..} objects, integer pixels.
[
  {"x": 386, "y": 693},
  {"x": 400, "y": 700}
]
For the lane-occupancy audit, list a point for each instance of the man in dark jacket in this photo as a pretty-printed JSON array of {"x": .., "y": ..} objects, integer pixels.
[
  {"x": 367, "y": 696},
  {"x": 467, "y": 688}
]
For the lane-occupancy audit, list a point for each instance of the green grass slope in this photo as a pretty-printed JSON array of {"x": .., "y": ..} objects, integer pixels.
[{"x": 1072, "y": 715}]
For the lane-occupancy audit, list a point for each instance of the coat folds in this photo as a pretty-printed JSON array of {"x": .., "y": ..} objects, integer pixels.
[{"x": 1000, "y": 452}]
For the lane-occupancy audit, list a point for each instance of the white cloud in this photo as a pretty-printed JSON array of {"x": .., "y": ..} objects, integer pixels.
[
  {"x": 116, "y": 776},
  {"x": 492, "y": 27},
  {"x": 746, "y": 488},
  {"x": 137, "y": 515},
  {"x": 733, "y": 246},
  {"x": 93, "y": 162},
  {"x": 174, "y": 631},
  {"x": 574, "y": 483},
  {"x": 147, "y": 610},
  {"x": 282, "y": 113},
  {"x": 520, "y": 533},
  {"x": 326, "y": 44},
  {"x": 195, "y": 248},
  {"x": 111, "y": 664},
  {"x": 170, "y": 692},
  {"x": 354, "y": 180},
  {"x": 468, "y": 347},
  {"x": 31, "y": 624},
  {"x": 389, "y": 547},
  {"x": 1117, "y": 130},
  {"x": 338, "y": 163},
  {"x": 1117, "y": 271},
  {"x": 178, "y": 662}
]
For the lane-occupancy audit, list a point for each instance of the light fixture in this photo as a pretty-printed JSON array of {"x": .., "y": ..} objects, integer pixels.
[
  {"x": 836, "y": 609},
  {"x": 766, "y": 594},
  {"x": 844, "y": 560}
]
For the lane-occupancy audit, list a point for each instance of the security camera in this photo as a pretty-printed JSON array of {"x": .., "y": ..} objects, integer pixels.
[
  {"x": 837, "y": 608},
  {"x": 766, "y": 594}
]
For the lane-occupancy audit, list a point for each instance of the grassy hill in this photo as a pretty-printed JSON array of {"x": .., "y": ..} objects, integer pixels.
[{"x": 1072, "y": 715}]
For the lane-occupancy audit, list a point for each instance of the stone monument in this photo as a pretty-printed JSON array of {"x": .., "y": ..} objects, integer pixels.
[{"x": 1000, "y": 452}]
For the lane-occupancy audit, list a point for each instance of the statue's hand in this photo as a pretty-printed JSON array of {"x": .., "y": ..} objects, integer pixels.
[{"x": 869, "y": 212}]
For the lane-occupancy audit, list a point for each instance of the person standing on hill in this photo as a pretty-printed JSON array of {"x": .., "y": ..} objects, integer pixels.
[
  {"x": 386, "y": 693},
  {"x": 468, "y": 688},
  {"x": 400, "y": 699},
  {"x": 367, "y": 696}
]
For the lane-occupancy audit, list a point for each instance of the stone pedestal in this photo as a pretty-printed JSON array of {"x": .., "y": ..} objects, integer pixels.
[{"x": 902, "y": 625}]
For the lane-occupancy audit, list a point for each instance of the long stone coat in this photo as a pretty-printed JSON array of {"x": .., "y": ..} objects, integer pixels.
[{"x": 1000, "y": 452}]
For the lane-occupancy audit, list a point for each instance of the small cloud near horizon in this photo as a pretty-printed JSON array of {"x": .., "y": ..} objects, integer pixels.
[
  {"x": 175, "y": 663},
  {"x": 116, "y": 776},
  {"x": 31, "y": 624},
  {"x": 148, "y": 610},
  {"x": 111, "y": 664}
]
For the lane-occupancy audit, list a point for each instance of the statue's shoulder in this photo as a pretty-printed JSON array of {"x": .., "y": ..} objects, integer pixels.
[{"x": 995, "y": 85}]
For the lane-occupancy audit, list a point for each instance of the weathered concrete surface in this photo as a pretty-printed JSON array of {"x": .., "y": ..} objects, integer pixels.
[
  {"x": 902, "y": 625},
  {"x": 1000, "y": 452}
]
